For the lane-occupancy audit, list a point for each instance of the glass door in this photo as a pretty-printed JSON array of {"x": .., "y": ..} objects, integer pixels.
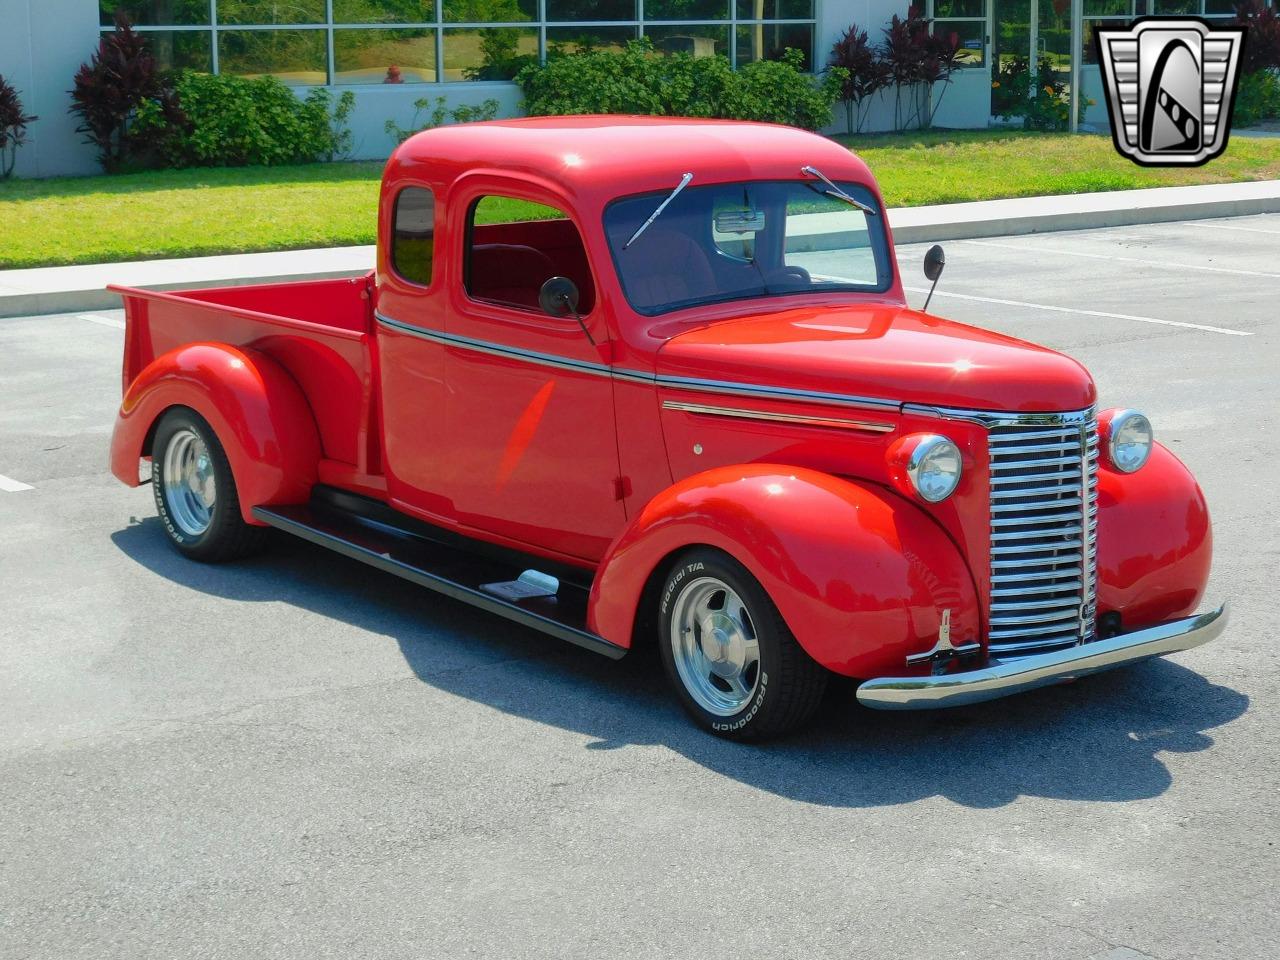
[{"x": 1031, "y": 60}]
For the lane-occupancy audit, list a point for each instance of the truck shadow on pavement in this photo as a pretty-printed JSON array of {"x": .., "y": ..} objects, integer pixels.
[{"x": 1099, "y": 739}]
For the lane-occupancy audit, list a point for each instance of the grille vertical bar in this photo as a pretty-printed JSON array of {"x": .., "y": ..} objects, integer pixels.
[{"x": 1044, "y": 519}]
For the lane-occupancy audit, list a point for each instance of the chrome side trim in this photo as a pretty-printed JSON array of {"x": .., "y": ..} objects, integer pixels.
[
  {"x": 741, "y": 414},
  {"x": 726, "y": 387},
  {"x": 1001, "y": 418},
  {"x": 1004, "y": 677},
  {"x": 497, "y": 350}
]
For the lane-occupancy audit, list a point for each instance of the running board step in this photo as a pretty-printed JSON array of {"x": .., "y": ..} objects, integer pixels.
[{"x": 444, "y": 568}]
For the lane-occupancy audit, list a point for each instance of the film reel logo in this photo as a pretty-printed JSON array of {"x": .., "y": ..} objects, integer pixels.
[{"x": 1170, "y": 86}]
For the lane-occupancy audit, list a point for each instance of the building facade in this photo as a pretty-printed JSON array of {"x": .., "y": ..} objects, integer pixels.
[{"x": 391, "y": 53}]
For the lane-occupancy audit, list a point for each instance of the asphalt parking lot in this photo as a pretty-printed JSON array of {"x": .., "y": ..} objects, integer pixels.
[{"x": 300, "y": 757}]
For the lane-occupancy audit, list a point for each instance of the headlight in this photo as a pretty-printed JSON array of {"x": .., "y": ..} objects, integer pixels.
[
  {"x": 1129, "y": 437},
  {"x": 934, "y": 467}
]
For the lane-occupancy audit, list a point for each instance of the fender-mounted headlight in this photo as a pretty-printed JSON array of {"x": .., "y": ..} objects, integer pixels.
[
  {"x": 933, "y": 466},
  {"x": 1127, "y": 438}
]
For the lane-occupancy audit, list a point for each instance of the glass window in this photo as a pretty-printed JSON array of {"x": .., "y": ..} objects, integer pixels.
[
  {"x": 775, "y": 9},
  {"x": 488, "y": 53},
  {"x": 686, "y": 9},
  {"x": 953, "y": 9},
  {"x": 566, "y": 40},
  {"x": 591, "y": 10},
  {"x": 515, "y": 246},
  {"x": 768, "y": 41},
  {"x": 491, "y": 11},
  {"x": 749, "y": 240},
  {"x": 1173, "y": 8},
  {"x": 967, "y": 37},
  {"x": 270, "y": 12},
  {"x": 384, "y": 11},
  {"x": 695, "y": 39},
  {"x": 1220, "y": 8},
  {"x": 413, "y": 234},
  {"x": 155, "y": 13},
  {"x": 298, "y": 57},
  {"x": 384, "y": 56}
]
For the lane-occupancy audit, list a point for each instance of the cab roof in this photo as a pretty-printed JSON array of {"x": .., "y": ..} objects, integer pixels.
[{"x": 602, "y": 157}]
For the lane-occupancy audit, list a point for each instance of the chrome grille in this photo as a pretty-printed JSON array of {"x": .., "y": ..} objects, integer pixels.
[{"x": 1044, "y": 518}]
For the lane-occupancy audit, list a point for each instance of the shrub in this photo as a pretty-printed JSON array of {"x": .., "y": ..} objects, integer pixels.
[
  {"x": 639, "y": 82},
  {"x": 110, "y": 90},
  {"x": 1048, "y": 109},
  {"x": 234, "y": 121},
  {"x": 868, "y": 75},
  {"x": 917, "y": 61},
  {"x": 1262, "y": 36},
  {"x": 1257, "y": 99},
  {"x": 13, "y": 127},
  {"x": 440, "y": 116}
]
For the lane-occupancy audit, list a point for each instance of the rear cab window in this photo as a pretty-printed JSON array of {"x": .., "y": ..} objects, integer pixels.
[
  {"x": 514, "y": 246},
  {"x": 413, "y": 235}
]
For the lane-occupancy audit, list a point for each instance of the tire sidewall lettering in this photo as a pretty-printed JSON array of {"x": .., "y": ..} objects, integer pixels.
[{"x": 746, "y": 718}]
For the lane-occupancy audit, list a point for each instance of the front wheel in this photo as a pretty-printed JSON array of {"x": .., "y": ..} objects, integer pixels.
[
  {"x": 195, "y": 492},
  {"x": 735, "y": 665}
]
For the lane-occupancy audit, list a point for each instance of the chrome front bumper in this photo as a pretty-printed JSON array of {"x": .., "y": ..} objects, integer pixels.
[{"x": 1003, "y": 677}]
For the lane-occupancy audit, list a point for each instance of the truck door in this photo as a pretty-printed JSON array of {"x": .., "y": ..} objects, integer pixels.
[{"x": 532, "y": 451}]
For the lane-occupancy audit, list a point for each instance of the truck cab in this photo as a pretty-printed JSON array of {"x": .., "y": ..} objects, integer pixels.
[{"x": 631, "y": 381}]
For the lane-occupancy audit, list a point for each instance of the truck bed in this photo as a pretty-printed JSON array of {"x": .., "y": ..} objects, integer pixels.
[{"x": 318, "y": 330}]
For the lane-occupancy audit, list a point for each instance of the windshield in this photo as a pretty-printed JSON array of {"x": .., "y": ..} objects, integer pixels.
[{"x": 737, "y": 241}]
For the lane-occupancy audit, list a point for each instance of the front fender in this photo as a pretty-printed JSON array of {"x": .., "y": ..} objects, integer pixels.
[
  {"x": 256, "y": 409},
  {"x": 860, "y": 575},
  {"x": 1155, "y": 542}
]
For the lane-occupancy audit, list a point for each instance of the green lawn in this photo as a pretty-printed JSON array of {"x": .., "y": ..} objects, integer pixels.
[{"x": 192, "y": 212}]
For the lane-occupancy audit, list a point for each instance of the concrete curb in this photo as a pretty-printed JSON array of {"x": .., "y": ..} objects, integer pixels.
[{"x": 70, "y": 289}]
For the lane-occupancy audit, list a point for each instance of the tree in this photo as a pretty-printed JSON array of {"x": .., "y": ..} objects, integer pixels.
[{"x": 13, "y": 127}]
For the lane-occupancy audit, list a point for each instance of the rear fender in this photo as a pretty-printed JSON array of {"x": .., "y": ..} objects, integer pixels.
[
  {"x": 860, "y": 574},
  {"x": 256, "y": 409}
]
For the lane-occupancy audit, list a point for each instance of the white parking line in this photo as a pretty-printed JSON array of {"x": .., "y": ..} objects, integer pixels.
[
  {"x": 1166, "y": 264},
  {"x": 1232, "y": 226},
  {"x": 104, "y": 321},
  {"x": 1086, "y": 313},
  {"x": 9, "y": 485}
]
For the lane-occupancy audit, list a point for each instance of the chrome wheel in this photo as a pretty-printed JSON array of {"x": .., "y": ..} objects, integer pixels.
[
  {"x": 716, "y": 651},
  {"x": 188, "y": 482}
]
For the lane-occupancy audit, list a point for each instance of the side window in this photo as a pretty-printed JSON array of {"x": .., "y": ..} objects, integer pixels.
[
  {"x": 412, "y": 234},
  {"x": 515, "y": 246}
]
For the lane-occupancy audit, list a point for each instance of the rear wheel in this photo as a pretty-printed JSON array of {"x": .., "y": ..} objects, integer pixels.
[
  {"x": 195, "y": 492},
  {"x": 735, "y": 665}
]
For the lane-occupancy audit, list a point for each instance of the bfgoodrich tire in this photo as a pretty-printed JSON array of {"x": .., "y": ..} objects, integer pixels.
[
  {"x": 735, "y": 666},
  {"x": 195, "y": 492}
]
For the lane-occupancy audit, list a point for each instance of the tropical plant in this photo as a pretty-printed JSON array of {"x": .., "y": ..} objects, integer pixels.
[
  {"x": 917, "y": 62},
  {"x": 109, "y": 91},
  {"x": 1041, "y": 98},
  {"x": 868, "y": 75},
  {"x": 1257, "y": 98},
  {"x": 440, "y": 116},
  {"x": 13, "y": 127},
  {"x": 1262, "y": 36}
]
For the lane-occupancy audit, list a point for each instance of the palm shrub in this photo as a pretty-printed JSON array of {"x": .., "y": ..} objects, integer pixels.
[
  {"x": 119, "y": 79},
  {"x": 868, "y": 74},
  {"x": 917, "y": 62},
  {"x": 13, "y": 127}
]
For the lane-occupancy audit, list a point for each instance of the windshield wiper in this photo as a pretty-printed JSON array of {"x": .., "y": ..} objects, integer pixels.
[
  {"x": 833, "y": 192},
  {"x": 684, "y": 182}
]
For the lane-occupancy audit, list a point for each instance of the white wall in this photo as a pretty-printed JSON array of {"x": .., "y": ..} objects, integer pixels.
[
  {"x": 42, "y": 43},
  {"x": 375, "y": 105}
]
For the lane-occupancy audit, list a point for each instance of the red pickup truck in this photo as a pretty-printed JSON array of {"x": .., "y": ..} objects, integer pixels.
[{"x": 632, "y": 381}]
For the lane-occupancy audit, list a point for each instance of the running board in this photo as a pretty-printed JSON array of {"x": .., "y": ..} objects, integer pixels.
[{"x": 442, "y": 567}]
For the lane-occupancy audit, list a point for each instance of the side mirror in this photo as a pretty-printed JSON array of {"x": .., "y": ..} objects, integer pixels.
[
  {"x": 559, "y": 297},
  {"x": 934, "y": 261}
]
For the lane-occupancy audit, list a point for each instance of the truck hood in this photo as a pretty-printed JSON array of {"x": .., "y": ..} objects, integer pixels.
[{"x": 881, "y": 352}]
